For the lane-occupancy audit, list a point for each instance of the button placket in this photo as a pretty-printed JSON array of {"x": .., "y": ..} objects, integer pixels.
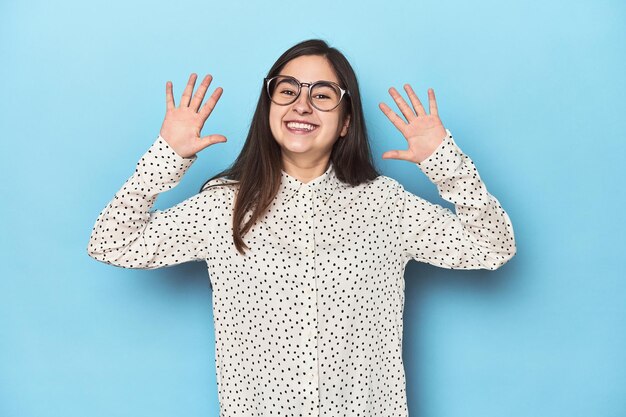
[
  {"x": 306, "y": 201},
  {"x": 310, "y": 249},
  {"x": 305, "y": 205}
]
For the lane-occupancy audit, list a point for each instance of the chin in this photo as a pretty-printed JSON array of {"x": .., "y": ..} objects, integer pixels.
[{"x": 296, "y": 148}]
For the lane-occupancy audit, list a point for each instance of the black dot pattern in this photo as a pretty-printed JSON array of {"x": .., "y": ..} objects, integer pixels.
[{"x": 309, "y": 322}]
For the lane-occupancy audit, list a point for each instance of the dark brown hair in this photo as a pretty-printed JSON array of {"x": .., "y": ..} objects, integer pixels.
[{"x": 257, "y": 169}]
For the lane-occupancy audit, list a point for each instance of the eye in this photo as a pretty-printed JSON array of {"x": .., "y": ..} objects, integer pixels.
[
  {"x": 287, "y": 91},
  {"x": 285, "y": 87},
  {"x": 324, "y": 92}
]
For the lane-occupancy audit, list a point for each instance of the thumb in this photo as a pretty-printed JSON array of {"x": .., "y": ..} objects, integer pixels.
[
  {"x": 397, "y": 154},
  {"x": 209, "y": 140}
]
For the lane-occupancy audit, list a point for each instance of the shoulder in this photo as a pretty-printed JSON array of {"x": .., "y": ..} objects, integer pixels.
[
  {"x": 380, "y": 187},
  {"x": 390, "y": 190},
  {"x": 221, "y": 181},
  {"x": 384, "y": 183},
  {"x": 220, "y": 187}
]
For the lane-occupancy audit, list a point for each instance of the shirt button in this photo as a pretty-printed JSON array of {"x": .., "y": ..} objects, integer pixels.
[{"x": 310, "y": 249}]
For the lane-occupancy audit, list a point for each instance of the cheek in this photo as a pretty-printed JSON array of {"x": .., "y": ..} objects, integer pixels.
[
  {"x": 275, "y": 120},
  {"x": 332, "y": 124}
]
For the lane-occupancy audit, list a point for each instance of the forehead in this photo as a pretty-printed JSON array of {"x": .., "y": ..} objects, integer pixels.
[{"x": 310, "y": 68}]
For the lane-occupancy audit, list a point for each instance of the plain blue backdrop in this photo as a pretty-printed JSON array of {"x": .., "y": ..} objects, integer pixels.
[{"x": 533, "y": 91}]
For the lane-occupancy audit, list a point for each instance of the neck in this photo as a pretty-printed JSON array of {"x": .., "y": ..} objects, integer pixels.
[{"x": 305, "y": 171}]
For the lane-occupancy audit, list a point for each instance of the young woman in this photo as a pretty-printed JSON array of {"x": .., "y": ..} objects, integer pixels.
[{"x": 305, "y": 242}]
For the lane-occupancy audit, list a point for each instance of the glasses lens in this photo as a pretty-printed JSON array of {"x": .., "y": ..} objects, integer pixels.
[
  {"x": 283, "y": 90},
  {"x": 325, "y": 96}
]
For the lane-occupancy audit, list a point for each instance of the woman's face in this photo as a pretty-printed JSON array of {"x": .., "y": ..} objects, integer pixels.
[{"x": 317, "y": 143}]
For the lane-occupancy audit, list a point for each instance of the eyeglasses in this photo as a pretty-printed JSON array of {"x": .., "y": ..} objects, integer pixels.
[{"x": 323, "y": 95}]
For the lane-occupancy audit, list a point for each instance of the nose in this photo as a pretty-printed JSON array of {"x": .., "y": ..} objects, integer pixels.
[{"x": 302, "y": 105}]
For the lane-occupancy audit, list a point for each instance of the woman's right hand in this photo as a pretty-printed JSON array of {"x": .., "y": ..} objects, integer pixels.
[{"x": 182, "y": 125}]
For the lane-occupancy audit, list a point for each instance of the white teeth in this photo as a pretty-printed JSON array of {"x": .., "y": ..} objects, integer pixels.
[{"x": 294, "y": 125}]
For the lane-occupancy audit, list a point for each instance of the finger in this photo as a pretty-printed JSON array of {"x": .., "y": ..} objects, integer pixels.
[
  {"x": 433, "y": 102},
  {"x": 415, "y": 101},
  {"x": 402, "y": 105},
  {"x": 209, "y": 140},
  {"x": 199, "y": 96},
  {"x": 186, "y": 97},
  {"x": 208, "y": 107},
  {"x": 169, "y": 97},
  {"x": 393, "y": 117},
  {"x": 398, "y": 154}
]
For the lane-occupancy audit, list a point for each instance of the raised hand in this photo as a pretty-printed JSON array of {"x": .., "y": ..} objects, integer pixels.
[
  {"x": 182, "y": 125},
  {"x": 423, "y": 132}
]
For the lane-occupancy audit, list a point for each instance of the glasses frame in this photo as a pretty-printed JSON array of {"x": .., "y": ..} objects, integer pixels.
[{"x": 300, "y": 85}]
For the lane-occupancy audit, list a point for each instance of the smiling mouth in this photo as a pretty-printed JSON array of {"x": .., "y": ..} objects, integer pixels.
[{"x": 300, "y": 128}]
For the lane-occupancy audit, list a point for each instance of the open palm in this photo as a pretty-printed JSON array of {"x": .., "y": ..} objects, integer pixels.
[
  {"x": 183, "y": 124},
  {"x": 423, "y": 132}
]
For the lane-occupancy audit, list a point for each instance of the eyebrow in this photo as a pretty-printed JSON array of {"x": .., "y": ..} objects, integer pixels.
[{"x": 327, "y": 81}]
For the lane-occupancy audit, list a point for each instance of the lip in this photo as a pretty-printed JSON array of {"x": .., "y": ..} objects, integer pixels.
[{"x": 300, "y": 132}]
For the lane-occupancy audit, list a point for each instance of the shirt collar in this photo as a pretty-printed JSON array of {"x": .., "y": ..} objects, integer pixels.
[{"x": 323, "y": 186}]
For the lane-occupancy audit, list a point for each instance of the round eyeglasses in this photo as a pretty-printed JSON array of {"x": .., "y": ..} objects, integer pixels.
[{"x": 323, "y": 95}]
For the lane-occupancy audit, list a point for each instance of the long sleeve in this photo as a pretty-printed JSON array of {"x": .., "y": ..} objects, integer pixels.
[
  {"x": 129, "y": 235},
  {"x": 480, "y": 234}
]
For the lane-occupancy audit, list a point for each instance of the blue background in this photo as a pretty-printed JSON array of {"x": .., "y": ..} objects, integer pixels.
[{"x": 533, "y": 92}]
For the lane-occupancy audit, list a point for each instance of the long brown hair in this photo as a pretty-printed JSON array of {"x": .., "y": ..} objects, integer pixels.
[{"x": 257, "y": 169}]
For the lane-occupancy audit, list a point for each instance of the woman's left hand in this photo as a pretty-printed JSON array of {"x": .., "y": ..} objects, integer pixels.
[{"x": 423, "y": 132}]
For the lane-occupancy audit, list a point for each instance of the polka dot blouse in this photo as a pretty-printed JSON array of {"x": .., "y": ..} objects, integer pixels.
[{"x": 309, "y": 322}]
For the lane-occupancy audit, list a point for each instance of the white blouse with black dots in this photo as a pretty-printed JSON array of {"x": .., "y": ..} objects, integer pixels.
[{"x": 309, "y": 322}]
